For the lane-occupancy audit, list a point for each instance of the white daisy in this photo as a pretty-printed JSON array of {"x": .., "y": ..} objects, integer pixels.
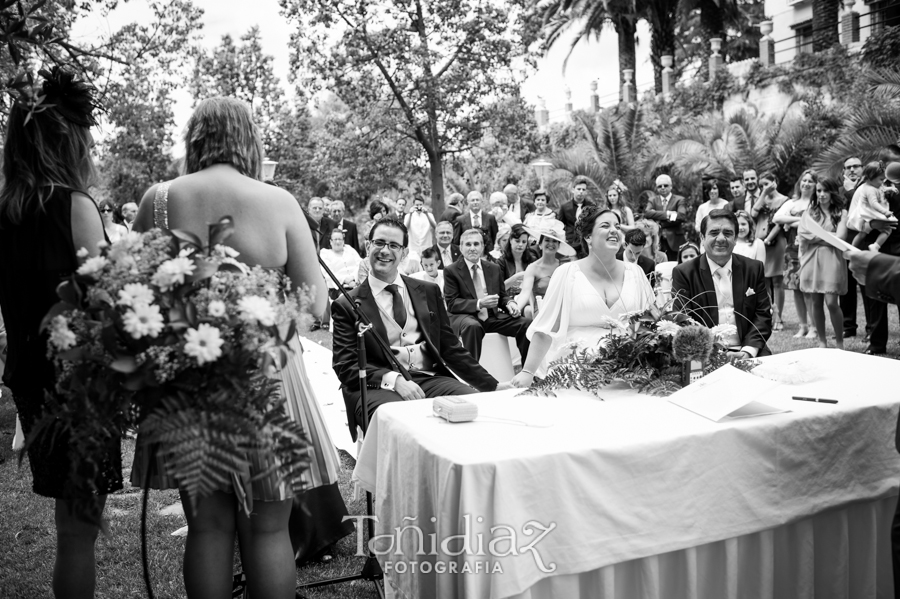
[
  {"x": 216, "y": 308},
  {"x": 172, "y": 272},
  {"x": 257, "y": 309},
  {"x": 61, "y": 336},
  {"x": 135, "y": 294},
  {"x": 143, "y": 320},
  {"x": 92, "y": 265},
  {"x": 82, "y": 253},
  {"x": 667, "y": 327},
  {"x": 203, "y": 343}
]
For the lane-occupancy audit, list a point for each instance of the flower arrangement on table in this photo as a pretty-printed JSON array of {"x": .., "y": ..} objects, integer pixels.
[
  {"x": 181, "y": 339},
  {"x": 648, "y": 350}
]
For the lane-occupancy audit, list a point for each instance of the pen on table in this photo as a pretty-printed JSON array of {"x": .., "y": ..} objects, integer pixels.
[{"x": 813, "y": 399}]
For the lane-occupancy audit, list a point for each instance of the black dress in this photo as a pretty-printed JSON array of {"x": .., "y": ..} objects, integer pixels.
[{"x": 36, "y": 254}]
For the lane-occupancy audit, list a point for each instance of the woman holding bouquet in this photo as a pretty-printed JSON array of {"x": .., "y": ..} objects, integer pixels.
[
  {"x": 584, "y": 296},
  {"x": 223, "y": 162},
  {"x": 46, "y": 216}
]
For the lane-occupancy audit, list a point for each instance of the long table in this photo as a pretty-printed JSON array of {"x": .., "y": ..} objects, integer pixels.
[{"x": 636, "y": 497}]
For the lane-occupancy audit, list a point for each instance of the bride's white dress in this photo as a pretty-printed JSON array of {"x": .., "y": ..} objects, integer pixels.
[{"x": 573, "y": 311}]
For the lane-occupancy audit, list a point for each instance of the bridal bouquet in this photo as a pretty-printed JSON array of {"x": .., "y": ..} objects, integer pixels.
[
  {"x": 183, "y": 339},
  {"x": 646, "y": 350}
]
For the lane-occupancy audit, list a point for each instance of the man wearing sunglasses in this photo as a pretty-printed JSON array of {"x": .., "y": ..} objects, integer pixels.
[{"x": 409, "y": 316}]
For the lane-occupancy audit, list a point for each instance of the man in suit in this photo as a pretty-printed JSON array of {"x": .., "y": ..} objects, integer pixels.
[
  {"x": 409, "y": 315},
  {"x": 351, "y": 235},
  {"x": 571, "y": 210},
  {"x": 129, "y": 212},
  {"x": 447, "y": 251},
  {"x": 476, "y": 218},
  {"x": 324, "y": 224},
  {"x": 475, "y": 296},
  {"x": 751, "y": 184},
  {"x": 454, "y": 209},
  {"x": 632, "y": 251},
  {"x": 721, "y": 287},
  {"x": 670, "y": 212},
  {"x": 518, "y": 207}
]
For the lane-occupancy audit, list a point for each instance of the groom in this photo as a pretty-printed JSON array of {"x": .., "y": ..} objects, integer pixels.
[
  {"x": 409, "y": 315},
  {"x": 720, "y": 287}
]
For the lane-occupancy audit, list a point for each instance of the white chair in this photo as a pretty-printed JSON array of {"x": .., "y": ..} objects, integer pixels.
[{"x": 495, "y": 356}]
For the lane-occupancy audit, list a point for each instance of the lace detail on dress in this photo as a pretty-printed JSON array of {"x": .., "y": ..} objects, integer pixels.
[{"x": 160, "y": 206}]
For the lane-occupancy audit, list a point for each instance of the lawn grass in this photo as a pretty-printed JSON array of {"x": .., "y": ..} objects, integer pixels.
[{"x": 27, "y": 533}]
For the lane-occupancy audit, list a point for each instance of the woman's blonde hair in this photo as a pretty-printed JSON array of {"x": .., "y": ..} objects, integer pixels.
[{"x": 222, "y": 131}]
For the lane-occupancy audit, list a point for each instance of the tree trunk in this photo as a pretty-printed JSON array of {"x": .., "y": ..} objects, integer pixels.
[
  {"x": 825, "y": 24},
  {"x": 626, "y": 28},
  {"x": 661, "y": 15},
  {"x": 436, "y": 163}
]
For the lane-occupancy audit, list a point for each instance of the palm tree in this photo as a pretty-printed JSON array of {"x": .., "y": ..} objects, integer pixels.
[
  {"x": 867, "y": 131},
  {"x": 591, "y": 16}
]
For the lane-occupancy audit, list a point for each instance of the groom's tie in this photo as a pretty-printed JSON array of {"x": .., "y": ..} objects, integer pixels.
[{"x": 399, "y": 308}]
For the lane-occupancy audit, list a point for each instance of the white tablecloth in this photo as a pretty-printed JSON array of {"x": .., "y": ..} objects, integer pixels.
[{"x": 620, "y": 480}]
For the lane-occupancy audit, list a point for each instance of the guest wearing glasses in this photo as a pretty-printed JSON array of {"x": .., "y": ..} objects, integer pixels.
[
  {"x": 113, "y": 231},
  {"x": 853, "y": 167},
  {"x": 409, "y": 315},
  {"x": 669, "y": 211}
]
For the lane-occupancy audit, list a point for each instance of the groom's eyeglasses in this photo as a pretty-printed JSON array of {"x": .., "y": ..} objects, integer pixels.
[{"x": 380, "y": 243}]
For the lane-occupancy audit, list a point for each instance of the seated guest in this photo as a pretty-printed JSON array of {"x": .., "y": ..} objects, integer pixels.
[
  {"x": 519, "y": 207},
  {"x": 409, "y": 315},
  {"x": 516, "y": 258},
  {"x": 496, "y": 254},
  {"x": 651, "y": 250},
  {"x": 552, "y": 241},
  {"x": 633, "y": 252},
  {"x": 500, "y": 209},
  {"x": 351, "y": 235},
  {"x": 541, "y": 211},
  {"x": 343, "y": 261},
  {"x": 377, "y": 211},
  {"x": 447, "y": 251},
  {"x": 475, "y": 296},
  {"x": 722, "y": 287},
  {"x": 430, "y": 271},
  {"x": 748, "y": 244}
]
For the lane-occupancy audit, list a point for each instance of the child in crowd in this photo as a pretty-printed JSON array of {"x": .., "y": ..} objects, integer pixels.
[
  {"x": 430, "y": 271},
  {"x": 869, "y": 204}
]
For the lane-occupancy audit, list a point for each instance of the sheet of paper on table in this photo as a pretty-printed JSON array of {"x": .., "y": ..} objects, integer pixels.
[{"x": 727, "y": 393}]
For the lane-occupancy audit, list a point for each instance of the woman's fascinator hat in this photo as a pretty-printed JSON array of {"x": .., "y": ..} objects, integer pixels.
[
  {"x": 555, "y": 230},
  {"x": 60, "y": 90}
]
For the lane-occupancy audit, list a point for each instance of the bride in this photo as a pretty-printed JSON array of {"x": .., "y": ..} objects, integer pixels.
[{"x": 584, "y": 295}]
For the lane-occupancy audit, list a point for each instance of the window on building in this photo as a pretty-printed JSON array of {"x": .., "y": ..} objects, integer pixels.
[
  {"x": 885, "y": 13},
  {"x": 803, "y": 35}
]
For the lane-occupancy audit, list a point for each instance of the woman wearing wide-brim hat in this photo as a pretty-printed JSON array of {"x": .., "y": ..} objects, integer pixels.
[{"x": 551, "y": 237}]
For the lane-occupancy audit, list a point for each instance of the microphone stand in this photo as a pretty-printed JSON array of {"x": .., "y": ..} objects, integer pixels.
[{"x": 371, "y": 570}]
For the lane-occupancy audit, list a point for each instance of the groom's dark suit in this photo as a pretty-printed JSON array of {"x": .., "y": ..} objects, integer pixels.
[
  {"x": 443, "y": 346},
  {"x": 692, "y": 283}
]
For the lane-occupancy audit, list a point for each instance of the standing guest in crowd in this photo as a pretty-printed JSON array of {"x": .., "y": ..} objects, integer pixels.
[
  {"x": 343, "y": 262},
  {"x": 711, "y": 201},
  {"x": 823, "y": 274},
  {"x": 408, "y": 315},
  {"x": 377, "y": 211},
  {"x": 722, "y": 287},
  {"x": 476, "y": 297},
  {"x": 751, "y": 185},
  {"x": 430, "y": 271},
  {"x": 570, "y": 211},
  {"x": 669, "y": 211},
  {"x": 551, "y": 241},
  {"x": 869, "y": 204},
  {"x": 688, "y": 251},
  {"x": 46, "y": 217},
  {"x": 516, "y": 258},
  {"x": 738, "y": 193},
  {"x": 400, "y": 204},
  {"x": 788, "y": 216},
  {"x": 748, "y": 244},
  {"x": 421, "y": 225},
  {"x": 447, "y": 251},
  {"x": 651, "y": 231},
  {"x": 114, "y": 232},
  {"x": 500, "y": 209},
  {"x": 615, "y": 201},
  {"x": 519, "y": 207},
  {"x": 351, "y": 234},
  {"x": 852, "y": 172},
  {"x": 633, "y": 252},
  {"x": 129, "y": 213},
  {"x": 223, "y": 162},
  {"x": 316, "y": 209},
  {"x": 541, "y": 211},
  {"x": 774, "y": 239},
  {"x": 454, "y": 208},
  {"x": 476, "y": 218}
]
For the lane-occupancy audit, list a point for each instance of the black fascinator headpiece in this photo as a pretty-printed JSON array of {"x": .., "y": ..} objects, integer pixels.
[{"x": 72, "y": 98}]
